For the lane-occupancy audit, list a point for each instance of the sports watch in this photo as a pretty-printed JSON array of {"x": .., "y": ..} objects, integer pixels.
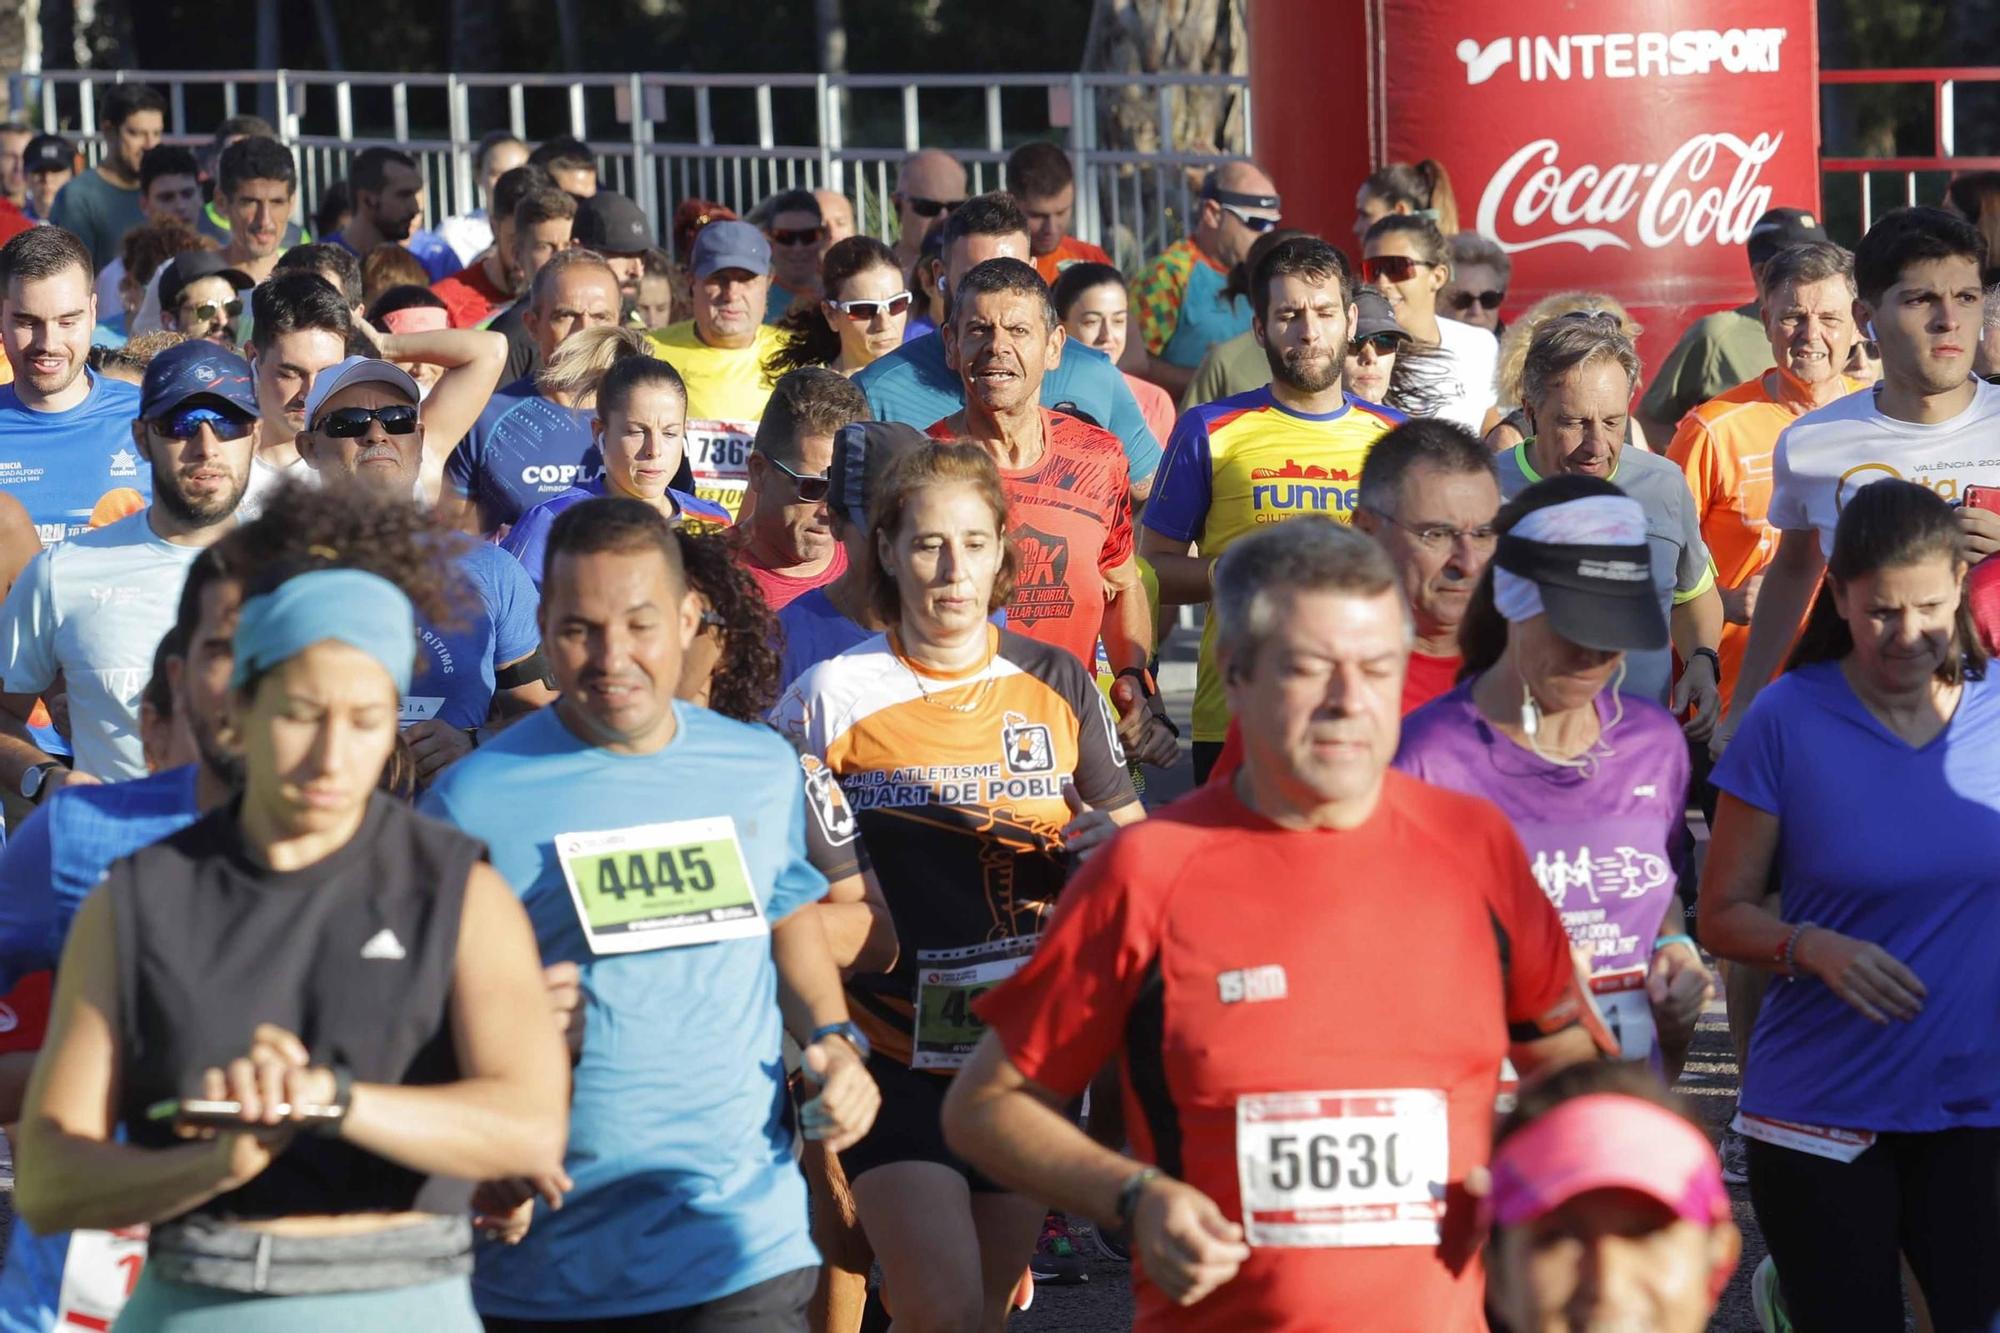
[
  {"x": 35, "y": 779},
  {"x": 854, "y": 1036}
]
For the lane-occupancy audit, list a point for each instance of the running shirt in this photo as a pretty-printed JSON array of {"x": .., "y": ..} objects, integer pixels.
[
  {"x": 457, "y": 665},
  {"x": 1724, "y": 448},
  {"x": 1893, "y": 845},
  {"x": 469, "y": 296},
  {"x": 1155, "y": 404},
  {"x": 94, "y": 610},
  {"x": 1463, "y": 379},
  {"x": 1182, "y": 311},
  {"x": 65, "y": 466},
  {"x": 1243, "y": 976},
  {"x": 727, "y": 389},
  {"x": 813, "y": 629},
  {"x": 1606, "y": 843},
  {"x": 781, "y": 590},
  {"x": 957, "y": 782},
  {"x": 523, "y": 450},
  {"x": 1069, "y": 251},
  {"x": 1070, "y": 515},
  {"x": 1824, "y": 455},
  {"x": 98, "y": 213},
  {"x": 1234, "y": 466},
  {"x": 527, "y": 541},
  {"x": 682, "y": 1066}
]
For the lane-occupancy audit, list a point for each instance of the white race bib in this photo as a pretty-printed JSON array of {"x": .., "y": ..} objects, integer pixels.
[
  {"x": 1343, "y": 1169},
  {"x": 98, "y": 1278},
  {"x": 1836, "y": 1145},
  {"x": 419, "y": 708},
  {"x": 1628, "y": 1011},
  {"x": 661, "y": 886},
  {"x": 718, "y": 454}
]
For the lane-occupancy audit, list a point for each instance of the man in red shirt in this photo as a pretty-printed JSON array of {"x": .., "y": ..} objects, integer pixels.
[
  {"x": 1069, "y": 504},
  {"x": 1040, "y": 176},
  {"x": 783, "y": 535},
  {"x": 1309, "y": 978},
  {"x": 488, "y": 283}
]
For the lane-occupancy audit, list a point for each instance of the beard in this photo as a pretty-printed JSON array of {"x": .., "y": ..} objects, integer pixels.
[
  {"x": 1295, "y": 370},
  {"x": 203, "y": 511}
]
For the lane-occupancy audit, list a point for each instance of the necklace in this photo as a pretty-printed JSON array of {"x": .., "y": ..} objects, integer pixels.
[{"x": 978, "y": 694}]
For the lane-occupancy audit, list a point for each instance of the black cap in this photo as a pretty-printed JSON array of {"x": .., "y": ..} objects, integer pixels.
[
  {"x": 1372, "y": 315},
  {"x": 862, "y": 454},
  {"x": 1599, "y": 597},
  {"x": 1779, "y": 228},
  {"x": 190, "y": 265},
  {"x": 48, "y": 152},
  {"x": 611, "y": 224}
]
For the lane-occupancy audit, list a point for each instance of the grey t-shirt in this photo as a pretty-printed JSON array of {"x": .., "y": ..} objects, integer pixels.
[
  {"x": 99, "y": 212},
  {"x": 1681, "y": 564}
]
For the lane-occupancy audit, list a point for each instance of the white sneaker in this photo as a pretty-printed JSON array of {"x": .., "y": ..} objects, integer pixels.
[{"x": 1769, "y": 1298}]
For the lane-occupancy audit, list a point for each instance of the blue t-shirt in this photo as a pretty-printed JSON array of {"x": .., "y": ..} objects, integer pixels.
[
  {"x": 456, "y": 670},
  {"x": 914, "y": 385},
  {"x": 528, "y": 540},
  {"x": 813, "y": 631},
  {"x": 1893, "y": 845},
  {"x": 55, "y": 858},
  {"x": 523, "y": 450},
  {"x": 60, "y": 465},
  {"x": 680, "y": 1132},
  {"x": 426, "y": 247}
]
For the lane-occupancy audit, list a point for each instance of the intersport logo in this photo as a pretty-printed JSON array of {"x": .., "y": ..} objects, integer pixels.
[
  {"x": 1705, "y": 190},
  {"x": 1563, "y": 57}
]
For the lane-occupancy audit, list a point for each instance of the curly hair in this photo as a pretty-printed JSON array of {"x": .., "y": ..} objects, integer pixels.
[{"x": 745, "y": 683}]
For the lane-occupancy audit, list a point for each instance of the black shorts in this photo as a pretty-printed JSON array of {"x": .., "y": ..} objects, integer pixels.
[{"x": 909, "y": 1127}]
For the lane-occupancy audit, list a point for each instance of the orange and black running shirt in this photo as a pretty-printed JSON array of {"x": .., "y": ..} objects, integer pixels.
[
  {"x": 1070, "y": 515},
  {"x": 957, "y": 783}
]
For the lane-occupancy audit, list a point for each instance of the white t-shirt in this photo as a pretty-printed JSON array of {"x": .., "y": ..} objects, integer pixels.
[
  {"x": 1465, "y": 382},
  {"x": 95, "y": 609},
  {"x": 267, "y": 477},
  {"x": 1824, "y": 456},
  {"x": 468, "y": 235}
]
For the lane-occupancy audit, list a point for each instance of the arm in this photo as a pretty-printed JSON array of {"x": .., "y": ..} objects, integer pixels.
[
  {"x": 19, "y": 542},
  {"x": 18, "y": 753},
  {"x": 472, "y": 360},
  {"x": 1782, "y": 601},
  {"x": 1697, "y": 623},
  {"x": 810, "y": 995},
  {"x": 860, "y": 933},
  {"x": 1185, "y": 578},
  {"x": 1679, "y": 986}
]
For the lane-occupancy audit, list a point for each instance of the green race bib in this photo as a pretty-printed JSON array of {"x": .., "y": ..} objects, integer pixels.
[
  {"x": 660, "y": 886},
  {"x": 948, "y": 981}
]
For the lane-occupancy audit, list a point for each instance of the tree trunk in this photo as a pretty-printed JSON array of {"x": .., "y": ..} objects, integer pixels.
[{"x": 1169, "y": 36}]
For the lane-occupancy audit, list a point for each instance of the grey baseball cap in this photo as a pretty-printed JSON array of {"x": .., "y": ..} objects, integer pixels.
[{"x": 722, "y": 245}]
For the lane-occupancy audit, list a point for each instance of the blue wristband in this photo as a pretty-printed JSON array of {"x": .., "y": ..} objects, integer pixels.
[{"x": 1683, "y": 938}]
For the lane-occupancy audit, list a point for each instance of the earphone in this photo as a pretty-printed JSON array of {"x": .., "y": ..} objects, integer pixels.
[{"x": 1585, "y": 763}]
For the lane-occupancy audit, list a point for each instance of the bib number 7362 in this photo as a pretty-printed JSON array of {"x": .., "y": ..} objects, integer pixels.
[{"x": 1324, "y": 1169}]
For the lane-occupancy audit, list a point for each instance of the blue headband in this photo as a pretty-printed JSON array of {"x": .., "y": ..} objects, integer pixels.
[{"x": 351, "y": 606}]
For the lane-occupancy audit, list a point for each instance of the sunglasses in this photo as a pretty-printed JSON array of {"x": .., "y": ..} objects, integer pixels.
[
  {"x": 810, "y": 489},
  {"x": 1253, "y": 221},
  {"x": 1396, "y": 268},
  {"x": 794, "y": 237},
  {"x": 351, "y": 423},
  {"x": 188, "y": 421},
  {"x": 208, "y": 310},
  {"x": 1385, "y": 344},
  {"x": 858, "y": 311},
  {"x": 930, "y": 208},
  {"x": 1590, "y": 317},
  {"x": 1484, "y": 300}
]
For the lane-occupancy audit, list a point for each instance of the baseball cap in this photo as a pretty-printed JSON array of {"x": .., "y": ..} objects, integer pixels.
[
  {"x": 1781, "y": 227},
  {"x": 189, "y": 266},
  {"x": 197, "y": 369},
  {"x": 48, "y": 152},
  {"x": 611, "y": 224},
  {"x": 862, "y": 454},
  {"x": 1372, "y": 316},
  {"x": 357, "y": 370},
  {"x": 1586, "y": 563},
  {"x": 1606, "y": 1141},
  {"x": 722, "y": 245}
]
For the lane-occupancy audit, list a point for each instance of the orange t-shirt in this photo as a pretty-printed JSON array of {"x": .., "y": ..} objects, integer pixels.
[
  {"x": 1725, "y": 446},
  {"x": 1071, "y": 251}
]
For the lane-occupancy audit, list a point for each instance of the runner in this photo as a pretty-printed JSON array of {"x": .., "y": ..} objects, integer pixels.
[
  {"x": 1095, "y": 307},
  {"x": 1215, "y": 1005},
  {"x": 189, "y": 974},
  {"x": 1869, "y": 1098},
  {"x": 1408, "y": 262},
  {"x": 979, "y": 763},
  {"x": 782, "y": 537},
  {"x": 859, "y": 321},
  {"x": 685, "y": 1208},
  {"x": 1594, "y": 781}
]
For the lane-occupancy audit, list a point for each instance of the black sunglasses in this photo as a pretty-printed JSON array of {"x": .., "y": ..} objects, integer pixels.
[
  {"x": 1385, "y": 344},
  {"x": 1484, "y": 300},
  {"x": 352, "y": 422},
  {"x": 208, "y": 310},
  {"x": 930, "y": 208},
  {"x": 793, "y": 237},
  {"x": 810, "y": 489}
]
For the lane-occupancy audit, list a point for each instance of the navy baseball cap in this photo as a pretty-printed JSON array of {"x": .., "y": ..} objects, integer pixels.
[
  {"x": 722, "y": 245},
  {"x": 197, "y": 369},
  {"x": 48, "y": 152}
]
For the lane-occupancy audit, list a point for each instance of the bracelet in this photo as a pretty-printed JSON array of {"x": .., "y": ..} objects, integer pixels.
[
  {"x": 1681, "y": 938},
  {"x": 1788, "y": 955},
  {"x": 1128, "y": 1193},
  {"x": 343, "y": 1097},
  {"x": 1714, "y": 659}
]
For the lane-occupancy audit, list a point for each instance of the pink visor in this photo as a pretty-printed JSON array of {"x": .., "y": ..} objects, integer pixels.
[
  {"x": 1607, "y": 1141},
  {"x": 417, "y": 319}
]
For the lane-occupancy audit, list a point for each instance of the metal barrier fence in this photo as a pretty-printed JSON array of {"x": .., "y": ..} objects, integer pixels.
[
  {"x": 1934, "y": 168},
  {"x": 730, "y": 138}
]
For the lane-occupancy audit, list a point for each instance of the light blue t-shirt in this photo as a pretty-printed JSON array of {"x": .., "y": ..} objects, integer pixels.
[
  {"x": 60, "y": 464},
  {"x": 455, "y": 677},
  {"x": 1895, "y": 846},
  {"x": 680, "y": 1137},
  {"x": 913, "y": 385}
]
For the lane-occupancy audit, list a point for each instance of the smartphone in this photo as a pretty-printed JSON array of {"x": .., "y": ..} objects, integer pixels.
[
  {"x": 1982, "y": 497},
  {"x": 215, "y": 1114}
]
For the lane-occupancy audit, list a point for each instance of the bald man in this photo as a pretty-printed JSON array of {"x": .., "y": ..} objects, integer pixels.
[
  {"x": 929, "y": 184},
  {"x": 836, "y": 214},
  {"x": 1182, "y": 311}
]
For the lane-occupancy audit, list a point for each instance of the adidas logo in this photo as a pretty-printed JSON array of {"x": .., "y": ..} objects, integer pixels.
[{"x": 383, "y": 944}]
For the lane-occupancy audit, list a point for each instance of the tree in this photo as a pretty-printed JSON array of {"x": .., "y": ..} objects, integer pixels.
[{"x": 1169, "y": 36}]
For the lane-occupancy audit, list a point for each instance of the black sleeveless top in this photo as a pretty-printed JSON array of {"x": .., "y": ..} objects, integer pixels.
[{"x": 354, "y": 954}]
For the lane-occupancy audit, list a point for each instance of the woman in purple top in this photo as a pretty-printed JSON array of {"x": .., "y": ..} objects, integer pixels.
[
  {"x": 1593, "y": 780},
  {"x": 1869, "y": 774}
]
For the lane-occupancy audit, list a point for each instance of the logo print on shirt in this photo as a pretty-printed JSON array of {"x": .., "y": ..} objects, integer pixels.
[
  {"x": 828, "y": 806},
  {"x": 384, "y": 944},
  {"x": 1646, "y": 792},
  {"x": 1026, "y": 745},
  {"x": 1250, "y": 985},
  {"x": 1287, "y": 488},
  {"x": 1041, "y": 587},
  {"x": 124, "y": 463},
  {"x": 1626, "y": 872},
  {"x": 9, "y": 1020}
]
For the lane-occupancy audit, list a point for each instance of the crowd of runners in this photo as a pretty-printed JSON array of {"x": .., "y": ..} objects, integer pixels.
[{"x": 550, "y": 786}]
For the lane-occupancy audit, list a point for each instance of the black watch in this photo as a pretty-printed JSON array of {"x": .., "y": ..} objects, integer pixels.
[
  {"x": 36, "y": 779},
  {"x": 1147, "y": 689},
  {"x": 1714, "y": 659}
]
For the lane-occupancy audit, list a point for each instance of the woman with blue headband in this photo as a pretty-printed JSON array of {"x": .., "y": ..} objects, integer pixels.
[{"x": 288, "y": 1036}]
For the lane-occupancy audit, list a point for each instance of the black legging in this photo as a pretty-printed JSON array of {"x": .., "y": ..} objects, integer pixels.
[{"x": 1836, "y": 1228}]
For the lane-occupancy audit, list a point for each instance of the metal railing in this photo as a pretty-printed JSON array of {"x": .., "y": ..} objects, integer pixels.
[
  {"x": 730, "y": 138},
  {"x": 1943, "y": 158}
]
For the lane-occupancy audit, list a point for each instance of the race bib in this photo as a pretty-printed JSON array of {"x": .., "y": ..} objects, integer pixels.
[
  {"x": 98, "y": 1278},
  {"x": 718, "y": 453},
  {"x": 418, "y": 708},
  {"x": 1836, "y": 1145},
  {"x": 1628, "y": 1011},
  {"x": 948, "y": 981},
  {"x": 660, "y": 886},
  {"x": 1343, "y": 1169}
]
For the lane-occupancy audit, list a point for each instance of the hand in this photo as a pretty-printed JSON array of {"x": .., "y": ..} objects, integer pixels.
[
  {"x": 1087, "y": 829},
  {"x": 503, "y": 1209},
  {"x": 1724, "y": 733},
  {"x": 1740, "y": 603},
  {"x": 1679, "y": 987},
  {"x": 1142, "y": 725},
  {"x": 1697, "y": 688},
  {"x": 564, "y": 983},
  {"x": 57, "y": 702},
  {"x": 376, "y": 339},
  {"x": 436, "y": 744},
  {"x": 844, "y": 1111},
  {"x": 1182, "y": 1240},
  {"x": 1982, "y": 531},
  {"x": 1865, "y": 975},
  {"x": 65, "y": 776},
  {"x": 276, "y": 1072}
]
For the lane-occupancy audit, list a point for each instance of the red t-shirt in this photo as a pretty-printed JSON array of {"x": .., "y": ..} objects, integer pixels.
[
  {"x": 470, "y": 296},
  {"x": 1070, "y": 516},
  {"x": 781, "y": 589},
  {"x": 1426, "y": 679},
  {"x": 12, "y": 221},
  {"x": 1070, "y": 251},
  {"x": 1229, "y": 960}
]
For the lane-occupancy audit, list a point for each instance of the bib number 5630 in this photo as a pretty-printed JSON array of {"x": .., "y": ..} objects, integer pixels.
[{"x": 1318, "y": 1159}]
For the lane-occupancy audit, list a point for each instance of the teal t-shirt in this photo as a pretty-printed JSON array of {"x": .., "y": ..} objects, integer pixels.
[
  {"x": 1206, "y": 318},
  {"x": 99, "y": 212}
]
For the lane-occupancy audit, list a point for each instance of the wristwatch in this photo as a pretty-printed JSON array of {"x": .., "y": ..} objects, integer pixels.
[
  {"x": 853, "y": 1035},
  {"x": 36, "y": 778},
  {"x": 1714, "y": 659}
]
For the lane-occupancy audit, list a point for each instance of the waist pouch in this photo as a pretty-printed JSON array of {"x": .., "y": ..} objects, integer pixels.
[{"x": 210, "y": 1252}]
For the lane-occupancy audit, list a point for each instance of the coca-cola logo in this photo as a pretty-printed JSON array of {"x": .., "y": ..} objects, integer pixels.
[{"x": 1705, "y": 191}]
